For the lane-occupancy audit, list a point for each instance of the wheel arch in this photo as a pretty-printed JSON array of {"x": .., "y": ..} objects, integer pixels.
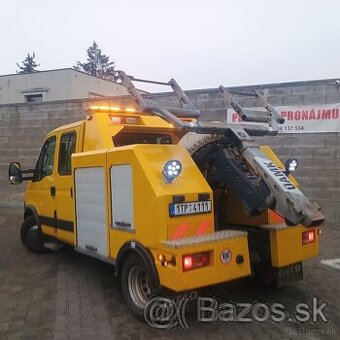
[
  {"x": 30, "y": 210},
  {"x": 134, "y": 247}
]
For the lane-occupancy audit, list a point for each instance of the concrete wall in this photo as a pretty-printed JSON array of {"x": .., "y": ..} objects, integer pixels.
[
  {"x": 23, "y": 126},
  {"x": 54, "y": 85}
]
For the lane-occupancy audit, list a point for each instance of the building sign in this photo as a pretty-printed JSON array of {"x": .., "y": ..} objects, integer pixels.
[{"x": 303, "y": 118}]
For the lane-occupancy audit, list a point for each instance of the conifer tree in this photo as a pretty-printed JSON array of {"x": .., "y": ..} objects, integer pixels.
[
  {"x": 97, "y": 63},
  {"x": 28, "y": 64}
]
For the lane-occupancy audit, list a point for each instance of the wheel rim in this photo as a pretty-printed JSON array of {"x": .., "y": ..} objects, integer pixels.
[
  {"x": 139, "y": 288},
  {"x": 33, "y": 235}
]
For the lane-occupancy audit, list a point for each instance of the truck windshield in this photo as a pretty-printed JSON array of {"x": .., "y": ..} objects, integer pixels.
[{"x": 130, "y": 138}]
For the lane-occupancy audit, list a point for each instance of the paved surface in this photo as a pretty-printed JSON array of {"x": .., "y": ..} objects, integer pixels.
[{"x": 64, "y": 295}]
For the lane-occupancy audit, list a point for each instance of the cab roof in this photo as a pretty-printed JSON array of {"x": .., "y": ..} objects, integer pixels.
[{"x": 68, "y": 126}]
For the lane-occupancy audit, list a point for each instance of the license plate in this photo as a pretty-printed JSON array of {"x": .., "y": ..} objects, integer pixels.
[{"x": 189, "y": 208}]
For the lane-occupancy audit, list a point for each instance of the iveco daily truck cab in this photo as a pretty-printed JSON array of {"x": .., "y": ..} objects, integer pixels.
[{"x": 171, "y": 203}]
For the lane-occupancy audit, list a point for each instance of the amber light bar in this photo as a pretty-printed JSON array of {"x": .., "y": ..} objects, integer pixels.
[{"x": 111, "y": 109}]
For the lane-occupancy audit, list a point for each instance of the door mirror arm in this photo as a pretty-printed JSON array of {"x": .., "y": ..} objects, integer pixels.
[{"x": 15, "y": 174}]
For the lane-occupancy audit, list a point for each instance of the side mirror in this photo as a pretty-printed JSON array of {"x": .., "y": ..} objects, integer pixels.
[{"x": 14, "y": 173}]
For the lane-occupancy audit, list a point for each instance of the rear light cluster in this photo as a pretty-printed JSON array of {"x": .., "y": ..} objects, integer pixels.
[
  {"x": 308, "y": 237},
  {"x": 130, "y": 120},
  {"x": 164, "y": 262},
  {"x": 193, "y": 261}
]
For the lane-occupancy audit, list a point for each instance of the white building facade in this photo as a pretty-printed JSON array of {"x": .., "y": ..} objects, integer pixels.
[{"x": 53, "y": 85}]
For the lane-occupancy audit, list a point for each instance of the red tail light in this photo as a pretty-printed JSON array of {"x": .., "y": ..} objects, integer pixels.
[
  {"x": 193, "y": 261},
  {"x": 308, "y": 237}
]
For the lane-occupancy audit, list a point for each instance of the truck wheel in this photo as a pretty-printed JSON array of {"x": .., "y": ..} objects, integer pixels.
[
  {"x": 31, "y": 235},
  {"x": 136, "y": 284}
]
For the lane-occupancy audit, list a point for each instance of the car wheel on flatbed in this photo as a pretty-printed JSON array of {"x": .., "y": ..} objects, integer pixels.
[{"x": 31, "y": 235}]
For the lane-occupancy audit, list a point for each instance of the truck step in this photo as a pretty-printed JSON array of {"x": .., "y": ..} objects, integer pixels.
[
  {"x": 214, "y": 237},
  {"x": 275, "y": 227},
  {"x": 53, "y": 245}
]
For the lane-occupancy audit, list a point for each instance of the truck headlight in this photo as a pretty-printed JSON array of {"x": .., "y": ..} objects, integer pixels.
[
  {"x": 291, "y": 165},
  {"x": 171, "y": 170}
]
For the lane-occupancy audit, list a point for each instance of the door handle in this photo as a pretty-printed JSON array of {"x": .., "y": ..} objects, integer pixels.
[
  {"x": 52, "y": 191},
  {"x": 91, "y": 248}
]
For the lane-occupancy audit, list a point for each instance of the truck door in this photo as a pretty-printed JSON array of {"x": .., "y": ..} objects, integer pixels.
[
  {"x": 42, "y": 191},
  {"x": 64, "y": 185}
]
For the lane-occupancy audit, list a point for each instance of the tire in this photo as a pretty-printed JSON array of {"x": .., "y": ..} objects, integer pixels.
[
  {"x": 137, "y": 284},
  {"x": 193, "y": 141},
  {"x": 31, "y": 235}
]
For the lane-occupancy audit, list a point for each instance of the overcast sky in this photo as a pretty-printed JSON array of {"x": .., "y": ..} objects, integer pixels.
[{"x": 201, "y": 43}]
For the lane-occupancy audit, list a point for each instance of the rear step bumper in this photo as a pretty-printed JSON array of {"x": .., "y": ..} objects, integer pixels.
[
  {"x": 208, "y": 238},
  {"x": 173, "y": 276},
  {"x": 286, "y": 246}
]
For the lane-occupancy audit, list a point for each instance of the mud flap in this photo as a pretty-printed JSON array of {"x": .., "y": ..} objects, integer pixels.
[{"x": 287, "y": 274}]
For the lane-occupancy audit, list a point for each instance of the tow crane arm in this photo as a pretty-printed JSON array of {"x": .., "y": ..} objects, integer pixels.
[
  {"x": 285, "y": 198},
  {"x": 187, "y": 109},
  {"x": 255, "y": 179}
]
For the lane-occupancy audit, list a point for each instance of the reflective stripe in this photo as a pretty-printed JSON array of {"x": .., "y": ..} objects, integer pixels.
[
  {"x": 180, "y": 231},
  {"x": 55, "y": 223},
  {"x": 202, "y": 228}
]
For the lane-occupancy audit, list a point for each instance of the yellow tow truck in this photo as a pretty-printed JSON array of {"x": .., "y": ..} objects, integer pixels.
[{"x": 169, "y": 201}]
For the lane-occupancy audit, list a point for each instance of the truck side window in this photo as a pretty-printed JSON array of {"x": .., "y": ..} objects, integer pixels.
[
  {"x": 45, "y": 162},
  {"x": 66, "y": 149}
]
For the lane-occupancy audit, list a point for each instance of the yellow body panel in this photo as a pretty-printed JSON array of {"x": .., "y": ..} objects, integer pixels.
[
  {"x": 99, "y": 131},
  {"x": 64, "y": 186},
  {"x": 152, "y": 195},
  {"x": 286, "y": 246},
  {"x": 157, "y": 122},
  {"x": 38, "y": 195},
  {"x": 61, "y": 206},
  {"x": 235, "y": 214},
  {"x": 216, "y": 272},
  {"x": 66, "y": 236},
  {"x": 152, "y": 223},
  {"x": 49, "y": 230}
]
